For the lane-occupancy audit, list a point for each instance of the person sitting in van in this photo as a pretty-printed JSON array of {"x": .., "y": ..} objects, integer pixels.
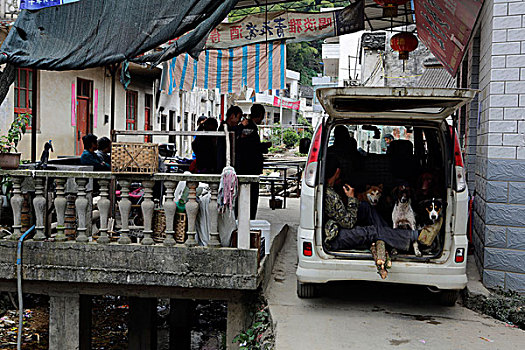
[
  {"x": 341, "y": 232},
  {"x": 345, "y": 149}
]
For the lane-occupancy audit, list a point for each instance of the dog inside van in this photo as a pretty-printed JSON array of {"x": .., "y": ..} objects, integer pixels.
[{"x": 402, "y": 141}]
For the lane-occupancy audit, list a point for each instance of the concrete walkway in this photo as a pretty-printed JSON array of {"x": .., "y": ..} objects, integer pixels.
[{"x": 359, "y": 315}]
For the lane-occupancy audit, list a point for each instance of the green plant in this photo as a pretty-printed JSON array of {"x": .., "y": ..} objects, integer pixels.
[
  {"x": 290, "y": 138},
  {"x": 254, "y": 337},
  {"x": 18, "y": 128}
]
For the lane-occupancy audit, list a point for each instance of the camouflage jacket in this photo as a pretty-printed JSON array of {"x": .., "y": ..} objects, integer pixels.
[{"x": 338, "y": 216}]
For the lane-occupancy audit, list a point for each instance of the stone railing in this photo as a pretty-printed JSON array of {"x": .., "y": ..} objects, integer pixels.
[{"x": 58, "y": 190}]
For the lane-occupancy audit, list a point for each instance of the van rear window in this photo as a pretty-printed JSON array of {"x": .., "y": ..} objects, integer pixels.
[{"x": 371, "y": 105}]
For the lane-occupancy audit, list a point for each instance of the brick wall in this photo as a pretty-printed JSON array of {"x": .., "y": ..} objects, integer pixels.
[{"x": 499, "y": 219}]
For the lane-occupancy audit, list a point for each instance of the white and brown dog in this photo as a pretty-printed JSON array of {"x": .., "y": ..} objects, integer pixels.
[
  {"x": 371, "y": 195},
  {"x": 403, "y": 215}
]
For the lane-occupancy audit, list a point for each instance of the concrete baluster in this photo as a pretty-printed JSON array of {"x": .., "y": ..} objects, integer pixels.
[
  {"x": 169, "y": 209},
  {"x": 60, "y": 207},
  {"x": 125, "y": 208},
  {"x": 147, "y": 207},
  {"x": 192, "y": 208},
  {"x": 39, "y": 203},
  {"x": 16, "y": 205},
  {"x": 243, "y": 236},
  {"x": 103, "y": 207},
  {"x": 214, "y": 216},
  {"x": 81, "y": 205}
]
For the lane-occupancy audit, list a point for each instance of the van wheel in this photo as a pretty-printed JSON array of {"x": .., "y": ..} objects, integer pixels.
[
  {"x": 448, "y": 297},
  {"x": 306, "y": 290}
]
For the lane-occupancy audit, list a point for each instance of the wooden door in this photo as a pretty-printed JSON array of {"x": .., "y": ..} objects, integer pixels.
[{"x": 84, "y": 100}]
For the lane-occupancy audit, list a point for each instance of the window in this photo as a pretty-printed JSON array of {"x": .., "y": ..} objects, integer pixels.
[
  {"x": 163, "y": 125},
  {"x": 24, "y": 91},
  {"x": 131, "y": 110}
]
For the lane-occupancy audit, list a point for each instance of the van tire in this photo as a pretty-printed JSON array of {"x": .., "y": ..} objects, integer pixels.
[
  {"x": 448, "y": 297},
  {"x": 306, "y": 290}
]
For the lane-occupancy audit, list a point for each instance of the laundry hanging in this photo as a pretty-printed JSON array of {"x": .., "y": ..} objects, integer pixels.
[{"x": 260, "y": 67}]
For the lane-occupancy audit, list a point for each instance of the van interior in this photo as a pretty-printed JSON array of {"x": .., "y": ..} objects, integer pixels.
[{"x": 386, "y": 156}]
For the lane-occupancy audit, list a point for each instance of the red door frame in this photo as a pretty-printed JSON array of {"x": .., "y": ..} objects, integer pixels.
[{"x": 148, "y": 102}]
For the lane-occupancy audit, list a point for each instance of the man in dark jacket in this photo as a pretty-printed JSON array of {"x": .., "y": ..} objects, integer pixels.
[
  {"x": 89, "y": 157},
  {"x": 250, "y": 152},
  {"x": 233, "y": 117}
]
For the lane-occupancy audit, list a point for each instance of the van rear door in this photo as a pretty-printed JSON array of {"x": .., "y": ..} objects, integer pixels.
[{"x": 393, "y": 103}]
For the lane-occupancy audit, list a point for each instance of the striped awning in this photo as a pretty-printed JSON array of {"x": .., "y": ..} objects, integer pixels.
[{"x": 260, "y": 67}]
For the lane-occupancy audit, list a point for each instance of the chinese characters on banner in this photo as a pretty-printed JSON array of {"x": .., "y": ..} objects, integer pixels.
[
  {"x": 260, "y": 67},
  {"x": 445, "y": 26},
  {"x": 39, "y": 4},
  {"x": 287, "y": 103},
  {"x": 292, "y": 26}
]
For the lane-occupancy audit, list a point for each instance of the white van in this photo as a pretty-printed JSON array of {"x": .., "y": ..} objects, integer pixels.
[{"x": 423, "y": 142}]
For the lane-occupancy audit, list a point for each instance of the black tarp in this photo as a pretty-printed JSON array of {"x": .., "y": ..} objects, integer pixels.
[{"x": 92, "y": 33}]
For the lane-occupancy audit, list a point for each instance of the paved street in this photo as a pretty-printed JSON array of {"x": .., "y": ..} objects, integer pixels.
[{"x": 358, "y": 315}]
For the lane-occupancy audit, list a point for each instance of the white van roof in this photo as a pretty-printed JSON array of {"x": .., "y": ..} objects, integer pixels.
[{"x": 393, "y": 102}]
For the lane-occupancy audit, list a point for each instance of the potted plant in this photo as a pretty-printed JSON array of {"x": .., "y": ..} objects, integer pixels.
[{"x": 9, "y": 142}]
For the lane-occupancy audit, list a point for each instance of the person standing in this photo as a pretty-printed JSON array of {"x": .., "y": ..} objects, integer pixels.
[
  {"x": 233, "y": 117},
  {"x": 250, "y": 150},
  {"x": 205, "y": 148}
]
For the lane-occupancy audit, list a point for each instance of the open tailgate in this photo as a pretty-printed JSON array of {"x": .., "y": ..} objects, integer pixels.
[{"x": 433, "y": 104}]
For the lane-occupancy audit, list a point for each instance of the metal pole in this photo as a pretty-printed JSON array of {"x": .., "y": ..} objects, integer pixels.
[
  {"x": 34, "y": 111},
  {"x": 281, "y": 114},
  {"x": 113, "y": 69}
]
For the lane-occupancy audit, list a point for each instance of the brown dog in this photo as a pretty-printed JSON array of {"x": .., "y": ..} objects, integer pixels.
[{"x": 371, "y": 195}]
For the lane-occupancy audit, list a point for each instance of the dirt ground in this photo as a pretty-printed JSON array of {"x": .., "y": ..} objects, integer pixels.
[{"x": 109, "y": 324}]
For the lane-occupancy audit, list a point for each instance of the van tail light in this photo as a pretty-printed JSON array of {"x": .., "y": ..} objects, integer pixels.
[
  {"x": 307, "y": 249},
  {"x": 311, "y": 166},
  {"x": 460, "y": 255},
  {"x": 461, "y": 181}
]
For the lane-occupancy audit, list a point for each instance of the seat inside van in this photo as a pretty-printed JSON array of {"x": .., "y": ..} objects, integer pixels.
[{"x": 390, "y": 155}]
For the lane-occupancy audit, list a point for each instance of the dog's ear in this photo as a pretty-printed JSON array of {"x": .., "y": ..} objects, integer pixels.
[{"x": 380, "y": 187}]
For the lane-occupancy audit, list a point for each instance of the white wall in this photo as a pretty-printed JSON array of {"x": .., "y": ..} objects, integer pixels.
[{"x": 54, "y": 109}]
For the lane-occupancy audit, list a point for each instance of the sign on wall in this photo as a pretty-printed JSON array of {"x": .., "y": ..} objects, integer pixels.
[
  {"x": 39, "y": 4},
  {"x": 285, "y": 25},
  {"x": 445, "y": 26}
]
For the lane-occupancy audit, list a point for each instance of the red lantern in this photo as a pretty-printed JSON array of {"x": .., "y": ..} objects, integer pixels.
[
  {"x": 404, "y": 43},
  {"x": 390, "y": 6}
]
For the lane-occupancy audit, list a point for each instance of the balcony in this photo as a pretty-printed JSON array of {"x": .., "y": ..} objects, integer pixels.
[{"x": 61, "y": 202}]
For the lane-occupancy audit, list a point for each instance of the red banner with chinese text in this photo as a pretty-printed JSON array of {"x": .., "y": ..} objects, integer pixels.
[
  {"x": 287, "y": 103},
  {"x": 290, "y": 26},
  {"x": 445, "y": 26}
]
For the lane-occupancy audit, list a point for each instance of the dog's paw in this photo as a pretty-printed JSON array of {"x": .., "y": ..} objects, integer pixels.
[{"x": 416, "y": 249}]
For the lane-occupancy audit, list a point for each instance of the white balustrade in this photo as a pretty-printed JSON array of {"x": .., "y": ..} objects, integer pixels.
[
  {"x": 60, "y": 207},
  {"x": 125, "y": 206},
  {"x": 170, "y": 208},
  {"x": 39, "y": 203}
]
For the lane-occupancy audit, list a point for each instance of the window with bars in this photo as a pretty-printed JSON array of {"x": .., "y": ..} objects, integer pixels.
[
  {"x": 24, "y": 92},
  {"x": 131, "y": 110}
]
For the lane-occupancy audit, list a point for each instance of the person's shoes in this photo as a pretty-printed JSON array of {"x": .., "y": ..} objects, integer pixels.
[{"x": 430, "y": 232}]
